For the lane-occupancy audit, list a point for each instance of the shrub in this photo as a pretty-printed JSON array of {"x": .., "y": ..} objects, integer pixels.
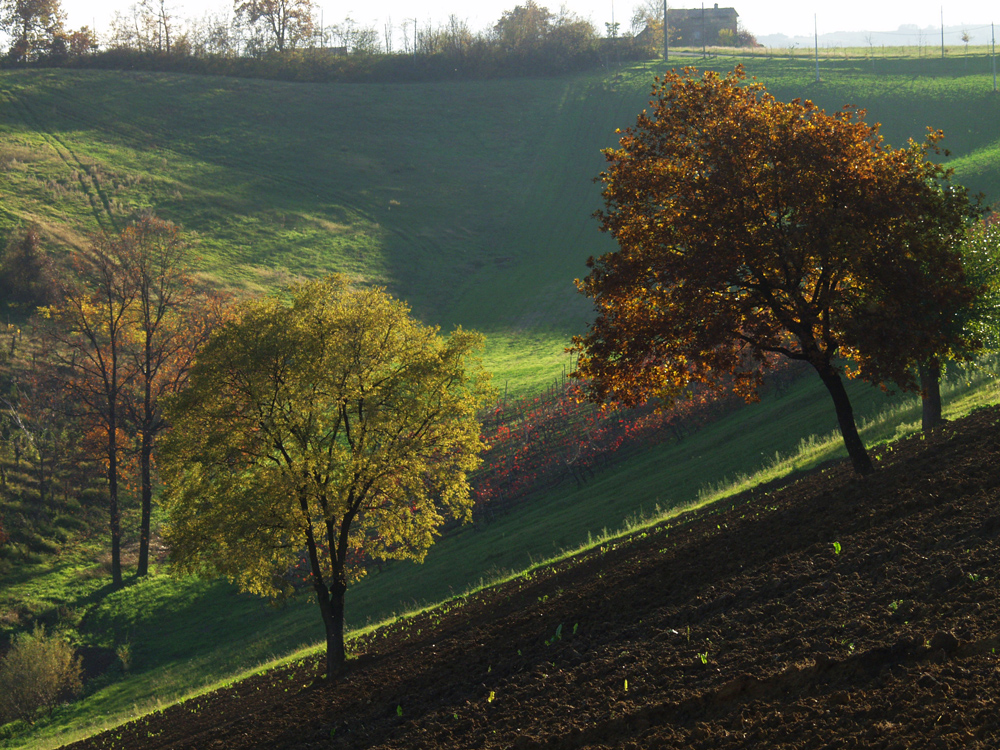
[
  {"x": 25, "y": 271},
  {"x": 39, "y": 670}
]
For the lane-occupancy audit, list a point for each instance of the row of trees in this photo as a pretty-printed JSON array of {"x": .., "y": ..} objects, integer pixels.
[
  {"x": 749, "y": 227},
  {"x": 527, "y": 38},
  {"x": 119, "y": 332}
]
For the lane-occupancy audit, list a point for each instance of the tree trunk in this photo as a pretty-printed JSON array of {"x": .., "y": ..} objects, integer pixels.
[
  {"x": 930, "y": 393},
  {"x": 145, "y": 468},
  {"x": 331, "y": 606},
  {"x": 845, "y": 418},
  {"x": 147, "y": 503},
  {"x": 116, "y": 526}
]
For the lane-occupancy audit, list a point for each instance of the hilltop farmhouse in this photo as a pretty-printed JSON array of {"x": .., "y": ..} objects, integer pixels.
[{"x": 697, "y": 26}]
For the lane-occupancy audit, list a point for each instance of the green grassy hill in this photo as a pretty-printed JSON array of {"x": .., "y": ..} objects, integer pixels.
[{"x": 471, "y": 200}]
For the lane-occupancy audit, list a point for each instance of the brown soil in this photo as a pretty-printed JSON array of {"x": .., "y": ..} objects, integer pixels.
[{"x": 737, "y": 627}]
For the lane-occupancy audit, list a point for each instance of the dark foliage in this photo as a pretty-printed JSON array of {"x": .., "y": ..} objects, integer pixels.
[{"x": 26, "y": 277}]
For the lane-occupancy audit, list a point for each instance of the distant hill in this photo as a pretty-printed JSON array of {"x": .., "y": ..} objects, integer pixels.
[
  {"x": 906, "y": 35},
  {"x": 472, "y": 200}
]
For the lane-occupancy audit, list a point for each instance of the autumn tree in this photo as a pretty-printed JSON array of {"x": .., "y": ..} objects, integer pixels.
[
  {"x": 320, "y": 426},
  {"x": 285, "y": 23},
  {"x": 88, "y": 334},
  {"x": 124, "y": 332},
  {"x": 167, "y": 324},
  {"x": 524, "y": 28},
  {"x": 79, "y": 43},
  {"x": 748, "y": 226},
  {"x": 32, "y": 25}
]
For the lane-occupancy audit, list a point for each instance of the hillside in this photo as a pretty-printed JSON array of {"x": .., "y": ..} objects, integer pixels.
[
  {"x": 471, "y": 200},
  {"x": 836, "y": 612}
]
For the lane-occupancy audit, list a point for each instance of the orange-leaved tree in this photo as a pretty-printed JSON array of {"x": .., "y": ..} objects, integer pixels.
[
  {"x": 748, "y": 226},
  {"x": 124, "y": 333},
  {"x": 88, "y": 337},
  {"x": 169, "y": 322}
]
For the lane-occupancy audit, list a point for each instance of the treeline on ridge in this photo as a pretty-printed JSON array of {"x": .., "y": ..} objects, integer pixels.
[{"x": 288, "y": 41}]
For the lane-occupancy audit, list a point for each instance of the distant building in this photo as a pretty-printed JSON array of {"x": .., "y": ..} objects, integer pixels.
[{"x": 697, "y": 26}]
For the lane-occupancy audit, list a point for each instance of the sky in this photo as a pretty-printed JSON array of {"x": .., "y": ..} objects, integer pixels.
[{"x": 759, "y": 16}]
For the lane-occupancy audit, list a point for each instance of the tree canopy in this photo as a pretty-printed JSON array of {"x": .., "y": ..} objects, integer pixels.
[
  {"x": 284, "y": 23},
  {"x": 749, "y": 227},
  {"x": 33, "y": 26},
  {"x": 319, "y": 430},
  {"x": 978, "y": 324}
]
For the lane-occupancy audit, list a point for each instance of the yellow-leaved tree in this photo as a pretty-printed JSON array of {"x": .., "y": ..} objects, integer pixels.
[{"x": 325, "y": 425}]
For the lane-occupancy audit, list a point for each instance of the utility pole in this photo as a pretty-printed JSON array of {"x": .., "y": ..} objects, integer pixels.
[
  {"x": 666, "y": 34},
  {"x": 816, "y": 35},
  {"x": 942, "y": 32},
  {"x": 704, "y": 38},
  {"x": 614, "y": 37}
]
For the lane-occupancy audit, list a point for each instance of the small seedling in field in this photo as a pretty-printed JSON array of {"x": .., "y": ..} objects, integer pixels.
[
  {"x": 492, "y": 696},
  {"x": 704, "y": 657},
  {"x": 575, "y": 626},
  {"x": 556, "y": 637},
  {"x": 399, "y": 710},
  {"x": 836, "y": 548},
  {"x": 626, "y": 685}
]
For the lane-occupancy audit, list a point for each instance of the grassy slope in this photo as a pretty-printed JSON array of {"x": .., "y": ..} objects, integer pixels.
[
  {"x": 490, "y": 224},
  {"x": 452, "y": 195},
  {"x": 471, "y": 200}
]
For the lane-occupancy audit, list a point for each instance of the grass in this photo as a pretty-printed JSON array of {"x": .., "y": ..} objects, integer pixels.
[{"x": 471, "y": 200}]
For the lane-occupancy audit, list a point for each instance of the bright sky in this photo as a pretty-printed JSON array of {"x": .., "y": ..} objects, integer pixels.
[{"x": 761, "y": 17}]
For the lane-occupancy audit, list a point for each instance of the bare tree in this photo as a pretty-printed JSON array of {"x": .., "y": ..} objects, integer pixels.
[{"x": 387, "y": 34}]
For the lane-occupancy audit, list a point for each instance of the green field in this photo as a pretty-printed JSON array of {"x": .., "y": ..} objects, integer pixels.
[{"x": 470, "y": 200}]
